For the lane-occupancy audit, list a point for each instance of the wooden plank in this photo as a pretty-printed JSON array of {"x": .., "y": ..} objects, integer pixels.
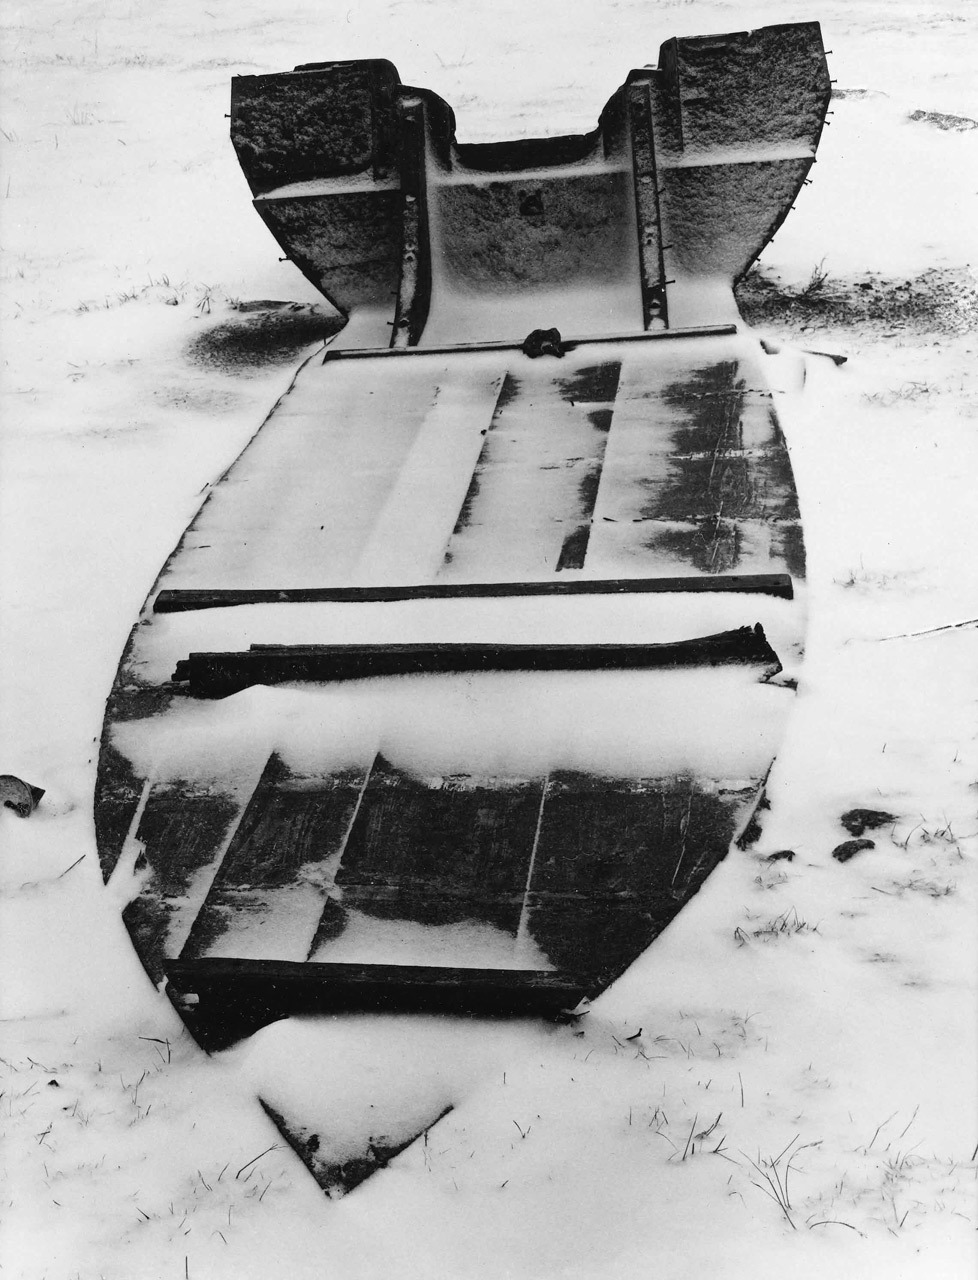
[
  {"x": 409, "y": 533},
  {"x": 339, "y": 1177},
  {"x": 190, "y": 975},
  {"x": 569, "y": 344},
  {"x": 222, "y": 1000},
  {"x": 216, "y": 675},
  {"x": 532, "y": 491},
  {"x": 306, "y": 491},
  {"x": 441, "y": 850},
  {"x": 183, "y": 830},
  {"x": 771, "y": 584},
  {"x": 711, "y": 487},
  {"x": 597, "y": 386},
  {"x": 616, "y": 859},
  {"x": 275, "y": 877}
]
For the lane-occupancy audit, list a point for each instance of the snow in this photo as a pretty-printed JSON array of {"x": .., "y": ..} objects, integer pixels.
[
  {"x": 366, "y": 940},
  {"x": 639, "y": 618},
  {"x": 831, "y": 1001},
  {"x": 722, "y": 723}
]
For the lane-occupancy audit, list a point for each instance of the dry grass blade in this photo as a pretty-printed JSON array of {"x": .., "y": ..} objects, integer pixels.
[
  {"x": 777, "y": 1182},
  {"x": 255, "y": 1158},
  {"x": 835, "y": 1222}
]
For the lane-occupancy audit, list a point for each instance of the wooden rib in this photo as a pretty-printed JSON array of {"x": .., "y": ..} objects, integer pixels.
[
  {"x": 414, "y": 289},
  {"x": 647, "y": 203}
]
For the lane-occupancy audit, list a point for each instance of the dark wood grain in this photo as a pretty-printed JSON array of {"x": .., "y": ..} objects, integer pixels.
[
  {"x": 217, "y": 675},
  {"x": 769, "y": 584},
  {"x": 223, "y": 1000}
]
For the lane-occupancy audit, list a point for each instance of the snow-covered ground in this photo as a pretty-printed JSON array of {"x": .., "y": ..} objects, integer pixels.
[{"x": 784, "y": 1084}]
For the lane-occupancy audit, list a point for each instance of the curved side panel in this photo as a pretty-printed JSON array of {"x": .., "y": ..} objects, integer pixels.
[
  {"x": 348, "y": 246},
  {"x": 720, "y": 217},
  {"x": 737, "y": 122}
]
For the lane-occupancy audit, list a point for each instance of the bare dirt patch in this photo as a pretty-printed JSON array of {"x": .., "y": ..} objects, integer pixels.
[
  {"x": 940, "y": 300},
  {"x": 256, "y": 334},
  {"x": 956, "y": 124}
]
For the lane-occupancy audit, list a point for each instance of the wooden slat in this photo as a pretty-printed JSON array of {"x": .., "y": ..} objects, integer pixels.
[
  {"x": 711, "y": 487},
  {"x": 216, "y": 675},
  {"x": 770, "y": 584},
  {"x": 223, "y": 1000},
  {"x": 616, "y": 859},
  {"x": 569, "y": 344},
  {"x": 336, "y": 1176},
  {"x": 407, "y": 540},
  {"x": 597, "y": 386},
  {"x": 441, "y": 850},
  {"x": 276, "y": 875},
  {"x": 183, "y": 830},
  {"x": 532, "y": 491}
]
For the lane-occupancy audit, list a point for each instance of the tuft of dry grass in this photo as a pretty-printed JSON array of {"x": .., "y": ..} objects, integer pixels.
[{"x": 786, "y": 925}]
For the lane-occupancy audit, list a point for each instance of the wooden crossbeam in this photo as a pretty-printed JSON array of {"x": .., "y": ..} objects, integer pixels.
[
  {"x": 225, "y": 999},
  {"x": 173, "y": 601},
  {"x": 216, "y": 675},
  {"x": 569, "y": 344}
]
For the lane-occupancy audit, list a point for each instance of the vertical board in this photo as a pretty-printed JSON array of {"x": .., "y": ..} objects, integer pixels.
[{"x": 267, "y": 898}]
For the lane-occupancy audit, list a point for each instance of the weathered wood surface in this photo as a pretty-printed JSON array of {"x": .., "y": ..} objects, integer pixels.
[
  {"x": 182, "y": 834},
  {"x": 217, "y": 675},
  {"x": 439, "y": 851},
  {"x": 293, "y": 848},
  {"x": 772, "y": 584},
  {"x": 648, "y": 471},
  {"x": 273, "y": 881},
  {"x": 582, "y": 870},
  {"x": 235, "y": 997},
  {"x": 339, "y": 1175},
  {"x": 488, "y": 467},
  {"x": 615, "y": 859}
]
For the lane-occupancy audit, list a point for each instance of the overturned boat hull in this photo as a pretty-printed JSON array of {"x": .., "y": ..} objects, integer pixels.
[
  {"x": 481, "y": 762},
  {"x": 461, "y": 681}
]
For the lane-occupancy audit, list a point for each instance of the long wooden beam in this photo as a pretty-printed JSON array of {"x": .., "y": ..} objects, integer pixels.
[
  {"x": 569, "y": 344},
  {"x": 177, "y": 601},
  {"x": 216, "y": 675},
  {"x": 224, "y": 999}
]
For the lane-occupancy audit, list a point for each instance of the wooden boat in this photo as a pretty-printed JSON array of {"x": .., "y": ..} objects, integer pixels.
[{"x": 460, "y": 682}]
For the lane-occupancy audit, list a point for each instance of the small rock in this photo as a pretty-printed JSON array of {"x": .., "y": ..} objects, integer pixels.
[
  {"x": 856, "y": 821},
  {"x": 782, "y": 855},
  {"x": 18, "y": 795},
  {"x": 849, "y": 848}
]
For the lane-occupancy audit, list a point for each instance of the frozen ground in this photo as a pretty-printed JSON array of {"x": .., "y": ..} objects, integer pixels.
[{"x": 802, "y": 1013}]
